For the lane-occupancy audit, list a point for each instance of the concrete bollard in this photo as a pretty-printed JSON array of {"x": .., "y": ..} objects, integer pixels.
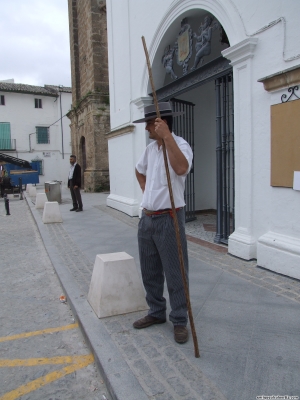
[
  {"x": 116, "y": 287},
  {"x": 28, "y": 186},
  {"x": 32, "y": 191},
  {"x": 51, "y": 212},
  {"x": 40, "y": 200}
]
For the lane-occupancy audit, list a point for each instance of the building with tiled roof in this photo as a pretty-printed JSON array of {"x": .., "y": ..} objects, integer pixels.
[
  {"x": 46, "y": 90},
  {"x": 34, "y": 126}
]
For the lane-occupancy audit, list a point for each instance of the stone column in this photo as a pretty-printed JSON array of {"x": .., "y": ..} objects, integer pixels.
[{"x": 242, "y": 242}]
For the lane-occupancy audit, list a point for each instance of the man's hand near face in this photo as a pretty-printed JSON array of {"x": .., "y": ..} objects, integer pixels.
[
  {"x": 177, "y": 159},
  {"x": 162, "y": 129}
]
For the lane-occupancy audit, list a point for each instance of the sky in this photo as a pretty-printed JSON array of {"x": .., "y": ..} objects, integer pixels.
[{"x": 34, "y": 42}]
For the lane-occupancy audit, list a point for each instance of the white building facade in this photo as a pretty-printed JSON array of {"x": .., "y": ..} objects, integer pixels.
[
  {"x": 227, "y": 63},
  {"x": 33, "y": 127}
]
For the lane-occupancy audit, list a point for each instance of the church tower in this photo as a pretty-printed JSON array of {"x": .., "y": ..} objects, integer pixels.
[{"x": 89, "y": 114}]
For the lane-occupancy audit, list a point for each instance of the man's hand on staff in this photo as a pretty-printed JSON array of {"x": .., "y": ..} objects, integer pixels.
[
  {"x": 161, "y": 128},
  {"x": 176, "y": 158}
]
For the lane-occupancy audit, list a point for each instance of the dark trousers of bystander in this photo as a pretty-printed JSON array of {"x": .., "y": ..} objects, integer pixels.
[{"x": 76, "y": 196}]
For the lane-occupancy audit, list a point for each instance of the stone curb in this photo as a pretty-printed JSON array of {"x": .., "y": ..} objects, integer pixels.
[{"x": 120, "y": 381}]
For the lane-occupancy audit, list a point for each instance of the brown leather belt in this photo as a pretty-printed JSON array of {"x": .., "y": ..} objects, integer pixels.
[{"x": 149, "y": 213}]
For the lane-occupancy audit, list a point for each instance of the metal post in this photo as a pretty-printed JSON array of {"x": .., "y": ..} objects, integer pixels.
[
  {"x": 20, "y": 189},
  {"x": 224, "y": 159},
  {"x": 219, "y": 233},
  {"x": 6, "y": 201},
  {"x": 61, "y": 125}
]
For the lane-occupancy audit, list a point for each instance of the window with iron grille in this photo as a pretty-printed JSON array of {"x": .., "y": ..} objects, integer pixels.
[
  {"x": 42, "y": 134},
  {"x": 2, "y": 100},
  {"x": 38, "y": 166},
  {"x": 38, "y": 103}
]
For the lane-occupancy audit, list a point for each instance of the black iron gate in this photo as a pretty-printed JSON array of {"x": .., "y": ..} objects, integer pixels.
[
  {"x": 225, "y": 158},
  {"x": 183, "y": 126}
]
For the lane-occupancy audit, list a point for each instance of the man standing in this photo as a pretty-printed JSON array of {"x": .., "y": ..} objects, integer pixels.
[
  {"x": 74, "y": 183},
  {"x": 158, "y": 248}
]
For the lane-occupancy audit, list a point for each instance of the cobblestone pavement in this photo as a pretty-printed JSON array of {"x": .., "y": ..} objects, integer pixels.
[
  {"x": 248, "y": 270},
  {"x": 39, "y": 338},
  {"x": 164, "y": 370},
  {"x": 150, "y": 354},
  {"x": 140, "y": 348}
]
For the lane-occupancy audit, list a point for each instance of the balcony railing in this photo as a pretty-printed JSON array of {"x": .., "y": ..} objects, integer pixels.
[{"x": 7, "y": 144}]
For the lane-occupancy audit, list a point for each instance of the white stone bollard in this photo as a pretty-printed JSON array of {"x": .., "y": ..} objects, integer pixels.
[
  {"x": 51, "y": 212},
  {"x": 28, "y": 186},
  {"x": 32, "y": 191},
  {"x": 116, "y": 287},
  {"x": 40, "y": 200}
]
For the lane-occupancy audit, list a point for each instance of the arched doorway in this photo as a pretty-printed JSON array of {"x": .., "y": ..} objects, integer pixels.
[
  {"x": 83, "y": 157},
  {"x": 198, "y": 80}
]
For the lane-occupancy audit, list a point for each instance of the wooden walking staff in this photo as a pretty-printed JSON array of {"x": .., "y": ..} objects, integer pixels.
[{"x": 186, "y": 290}]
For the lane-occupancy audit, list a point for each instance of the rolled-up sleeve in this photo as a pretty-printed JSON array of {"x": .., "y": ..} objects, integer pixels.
[
  {"x": 142, "y": 164},
  {"x": 187, "y": 152}
]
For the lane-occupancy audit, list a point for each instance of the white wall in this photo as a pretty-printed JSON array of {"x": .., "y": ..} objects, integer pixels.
[
  {"x": 265, "y": 39},
  {"x": 20, "y": 111}
]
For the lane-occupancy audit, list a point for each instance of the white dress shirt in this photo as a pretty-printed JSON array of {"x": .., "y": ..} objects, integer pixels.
[
  {"x": 151, "y": 164},
  {"x": 71, "y": 171}
]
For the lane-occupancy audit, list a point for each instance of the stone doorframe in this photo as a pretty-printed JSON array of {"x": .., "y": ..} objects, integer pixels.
[{"x": 242, "y": 242}]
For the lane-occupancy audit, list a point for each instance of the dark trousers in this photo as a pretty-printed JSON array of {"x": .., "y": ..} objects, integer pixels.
[
  {"x": 159, "y": 259},
  {"x": 76, "y": 196}
]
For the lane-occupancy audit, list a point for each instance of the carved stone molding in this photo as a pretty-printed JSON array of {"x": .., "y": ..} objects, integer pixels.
[
  {"x": 282, "y": 79},
  {"x": 120, "y": 131},
  {"x": 212, "y": 70},
  {"x": 142, "y": 102},
  {"x": 241, "y": 51}
]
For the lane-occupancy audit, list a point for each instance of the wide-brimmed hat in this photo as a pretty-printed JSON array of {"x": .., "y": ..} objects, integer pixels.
[{"x": 165, "y": 110}]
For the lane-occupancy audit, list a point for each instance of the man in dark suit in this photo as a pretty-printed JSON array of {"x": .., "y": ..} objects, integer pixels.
[{"x": 74, "y": 183}]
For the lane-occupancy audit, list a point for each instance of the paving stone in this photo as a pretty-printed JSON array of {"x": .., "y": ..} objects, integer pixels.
[
  {"x": 141, "y": 367},
  {"x": 290, "y": 295},
  {"x": 165, "y": 368},
  {"x": 114, "y": 326},
  {"x": 154, "y": 386},
  {"x": 122, "y": 338},
  {"x": 178, "y": 387},
  {"x": 188, "y": 371},
  {"x": 164, "y": 396},
  {"x": 151, "y": 352},
  {"x": 173, "y": 354},
  {"x": 141, "y": 339},
  {"x": 193, "y": 398},
  {"x": 130, "y": 351}
]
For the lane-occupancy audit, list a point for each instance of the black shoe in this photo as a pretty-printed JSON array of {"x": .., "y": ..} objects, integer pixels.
[
  {"x": 79, "y": 209},
  {"x": 74, "y": 209}
]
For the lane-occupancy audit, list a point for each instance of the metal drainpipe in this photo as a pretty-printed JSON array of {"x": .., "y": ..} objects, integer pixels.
[
  {"x": 219, "y": 230},
  {"x": 61, "y": 125},
  {"x": 30, "y": 141}
]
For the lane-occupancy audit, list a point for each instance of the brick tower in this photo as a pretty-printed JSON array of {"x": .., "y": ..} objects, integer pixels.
[{"x": 90, "y": 90}]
